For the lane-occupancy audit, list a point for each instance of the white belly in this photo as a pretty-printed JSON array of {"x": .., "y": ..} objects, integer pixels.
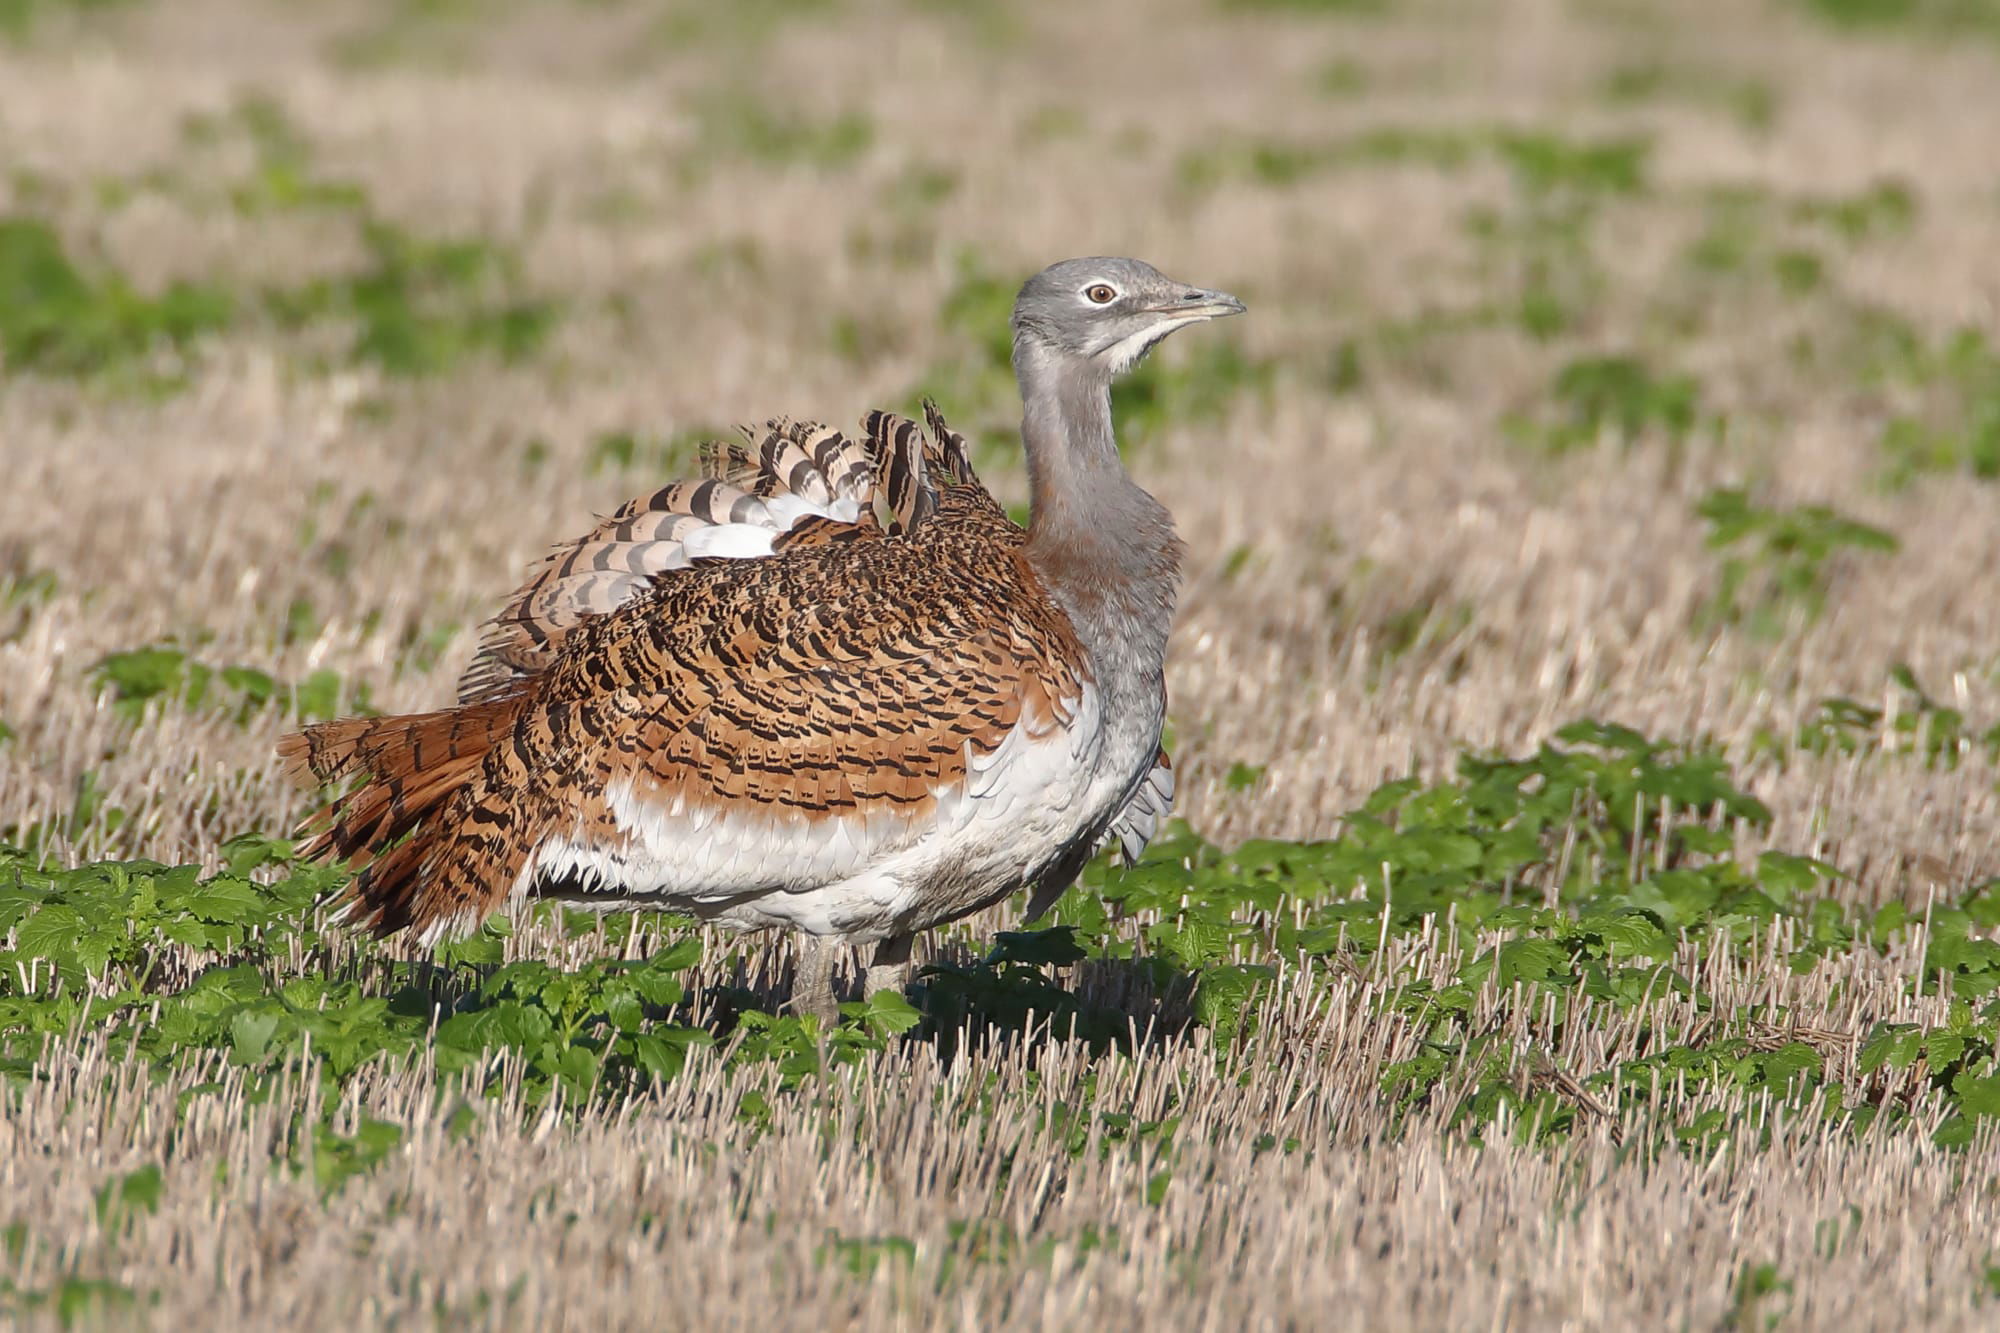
[{"x": 867, "y": 877}]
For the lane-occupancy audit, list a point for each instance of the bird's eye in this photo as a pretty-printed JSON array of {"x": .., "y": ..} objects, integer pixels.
[{"x": 1101, "y": 293}]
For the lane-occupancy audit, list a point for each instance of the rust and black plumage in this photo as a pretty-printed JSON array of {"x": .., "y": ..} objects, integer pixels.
[{"x": 753, "y": 698}]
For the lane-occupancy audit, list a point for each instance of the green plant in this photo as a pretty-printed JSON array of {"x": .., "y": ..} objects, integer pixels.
[
  {"x": 1575, "y": 875},
  {"x": 142, "y": 677},
  {"x": 1959, "y": 429},
  {"x": 422, "y": 306},
  {"x": 1753, "y": 102},
  {"x": 1914, "y": 724},
  {"x": 284, "y": 179},
  {"x": 623, "y": 450},
  {"x": 1615, "y": 396},
  {"x": 1188, "y": 387},
  {"x": 171, "y": 965},
  {"x": 18, "y": 19},
  {"x": 1282, "y": 162},
  {"x": 1545, "y": 164},
  {"x": 1778, "y": 559},
  {"x": 1938, "y": 16},
  {"x": 56, "y": 318},
  {"x": 747, "y": 125},
  {"x": 1884, "y": 208}
]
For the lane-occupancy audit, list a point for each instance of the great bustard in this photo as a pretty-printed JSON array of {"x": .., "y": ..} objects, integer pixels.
[{"x": 744, "y": 699}]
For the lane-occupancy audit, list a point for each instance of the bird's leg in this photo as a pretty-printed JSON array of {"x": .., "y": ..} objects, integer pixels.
[
  {"x": 890, "y": 968},
  {"x": 812, "y": 979}
]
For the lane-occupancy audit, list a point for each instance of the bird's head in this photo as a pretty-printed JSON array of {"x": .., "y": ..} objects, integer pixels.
[{"x": 1107, "y": 313}]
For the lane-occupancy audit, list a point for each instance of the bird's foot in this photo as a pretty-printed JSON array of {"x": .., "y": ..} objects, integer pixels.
[
  {"x": 812, "y": 980},
  {"x": 812, "y": 977},
  {"x": 889, "y": 969}
]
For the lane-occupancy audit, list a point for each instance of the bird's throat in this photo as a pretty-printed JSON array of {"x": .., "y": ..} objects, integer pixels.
[{"x": 1106, "y": 549}]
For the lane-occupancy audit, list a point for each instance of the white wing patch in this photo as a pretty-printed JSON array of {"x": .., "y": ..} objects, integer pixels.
[
  {"x": 669, "y": 530},
  {"x": 732, "y": 541}
]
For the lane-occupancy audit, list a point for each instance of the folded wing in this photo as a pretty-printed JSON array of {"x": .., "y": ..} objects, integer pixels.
[{"x": 719, "y": 725}]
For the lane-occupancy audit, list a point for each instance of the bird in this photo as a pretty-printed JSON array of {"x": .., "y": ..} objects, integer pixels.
[{"x": 828, "y": 686}]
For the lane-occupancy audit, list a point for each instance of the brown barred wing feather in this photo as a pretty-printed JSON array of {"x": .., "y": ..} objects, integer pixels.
[
  {"x": 798, "y": 484},
  {"x": 748, "y": 727}
]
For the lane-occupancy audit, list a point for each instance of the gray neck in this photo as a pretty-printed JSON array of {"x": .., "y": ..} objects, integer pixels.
[{"x": 1105, "y": 548}]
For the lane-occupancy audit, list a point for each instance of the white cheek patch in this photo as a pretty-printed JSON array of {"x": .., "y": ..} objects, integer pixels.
[{"x": 1126, "y": 352}]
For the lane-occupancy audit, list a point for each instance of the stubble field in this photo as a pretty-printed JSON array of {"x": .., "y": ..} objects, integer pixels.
[{"x": 1586, "y": 697}]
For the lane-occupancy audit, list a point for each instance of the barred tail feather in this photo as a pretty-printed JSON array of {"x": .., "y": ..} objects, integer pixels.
[
  {"x": 953, "y": 459},
  {"x": 454, "y": 846},
  {"x": 449, "y": 877},
  {"x": 900, "y": 449}
]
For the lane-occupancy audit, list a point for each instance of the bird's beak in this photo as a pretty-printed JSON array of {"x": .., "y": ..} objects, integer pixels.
[{"x": 1201, "y": 303}]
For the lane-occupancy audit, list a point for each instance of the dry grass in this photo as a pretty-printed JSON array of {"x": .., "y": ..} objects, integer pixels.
[
  {"x": 1325, "y": 524},
  {"x": 677, "y": 1213}
]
